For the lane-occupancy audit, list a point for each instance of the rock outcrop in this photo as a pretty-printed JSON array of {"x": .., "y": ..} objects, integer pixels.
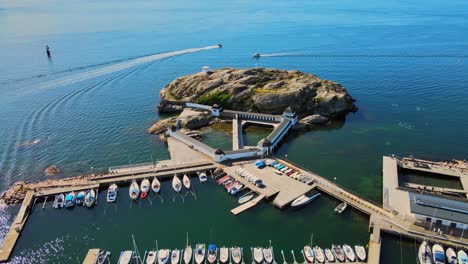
[{"x": 51, "y": 170}]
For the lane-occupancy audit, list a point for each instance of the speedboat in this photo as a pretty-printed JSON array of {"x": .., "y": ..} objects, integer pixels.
[
  {"x": 219, "y": 45},
  {"x": 199, "y": 253},
  {"x": 319, "y": 256},
  {"x": 163, "y": 256},
  {"x": 302, "y": 200},
  {"x": 236, "y": 188},
  {"x": 90, "y": 198},
  {"x": 462, "y": 257},
  {"x": 424, "y": 253},
  {"x": 59, "y": 200},
  {"x": 151, "y": 257},
  {"x": 188, "y": 254},
  {"x": 112, "y": 193},
  {"x": 308, "y": 254},
  {"x": 125, "y": 257},
  {"x": 236, "y": 254},
  {"x": 341, "y": 207},
  {"x": 349, "y": 253},
  {"x": 338, "y": 252},
  {"x": 175, "y": 256},
  {"x": 268, "y": 255},
  {"x": 176, "y": 184},
  {"x": 70, "y": 199},
  {"x": 145, "y": 186},
  {"x": 438, "y": 255},
  {"x": 223, "y": 254},
  {"x": 202, "y": 176},
  {"x": 186, "y": 182},
  {"x": 80, "y": 198},
  {"x": 155, "y": 185},
  {"x": 360, "y": 253},
  {"x": 212, "y": 253},
  {"x": 256, "y": 55},
  {"x": 329, "y": 255},
  {"x": 451, "y": 255},
  {"x": 258, "y": 254},
  {"x": 134, "y": 190},
  {"x": 246, "y": 197}
]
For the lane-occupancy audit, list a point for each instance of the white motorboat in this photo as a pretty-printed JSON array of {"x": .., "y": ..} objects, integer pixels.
[
  {"x": 451, "y": 256},
  {"x": 125, "y": 257},
  {"x": 155, "y": 185},
  {"x": 163, "y": 256},
  {"x": 112, "y": 193},
  {"x": 462, "y": 257},
  {"x": 199, "y": 253},
  {"x": 338, "y": 252},
  {"x": 424, "y": 253},
  {"x": 59, "y": 200},
  {"x": 80, "y": 198},
  {"x": 186, "y": 182},
  {"x": 256, "y": 55},
  {"x": 438, "y": 255},
  {"x": 246, "y": 197},
  {"x": 175, "y": 256},
  {"x": 134, "y": 190},
  {"x": 360, "y": 253},
  {"x": 258, "y": 254},
  {"x": 308, "y": 254},
  {"x": 302, "y": 200},
  {"x": 212, "y": 253},
  {"x": 341, "y": 207},
  {"x": 188, "y": 252},
  {"x": 319, "y": 256},
  {"x": 268, "y": 255},
  {"x": 236, "y": 255},
  {"x": 151, "y": 257},
  {"x": 202, "y": 176},
  {"x": 144, "y": 187},
  {"x": 349, "y": 253},
  {"x": 70, "y": 199},
  {"x": 329, "y": 255},
  {"x": 176, "y": 184},
  {"x": 223, "y": 254},
  {"x": 90, "y": 198}
]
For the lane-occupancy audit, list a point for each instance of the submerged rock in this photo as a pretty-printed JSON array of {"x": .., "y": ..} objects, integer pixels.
[{"x": 51, "y": 170}]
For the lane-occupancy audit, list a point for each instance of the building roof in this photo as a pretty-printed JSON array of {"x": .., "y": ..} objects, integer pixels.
[
  {"x": 277, "y": 130},
  {"x": 288, "y": 111},
  {"x": 438, "y": 207}
]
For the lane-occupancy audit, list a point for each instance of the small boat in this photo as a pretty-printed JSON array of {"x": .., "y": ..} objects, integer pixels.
[
  {"x": 186, "y": 182},
  {"x": 145, "y": 186},
  {"x": 103, "y": 257},
  {"x": 256, "y": 55},
  {"x": 188, "y": 252},
  {"x": 80, "y": 198},
  {"x": 329, "y": 255},
  {"x": 223, "y": 179},
  {"x": 155, "y": 185},
  {"x": 302, "y": 200},
  {"x": 349, "y": 253},
  {"x": 70, "y": 200},
  {"x": 338, "y": 252},
  {"x": 125, "y": 257},
  {"x": 236, "y": 188},
  {"x": 223, "y": 254},
  {"x": 360, "y": 253},
  {"x": 176, "y": 184},
  {"x": 90, "y": 198},
  {"x": 438, "y": 255},
  {"x": 202, "y": 176},
  {"x": 151, "y": 257},
  {"x": 319, "y": 256},
  {"x": 236, "y": 254},
  {"x": 112, "y": 193},
  {"x": 134, "y": 190},
  {"x": 451, "y": 256},
  {"x": 341, "y": 207},
  {"x": 424, "y": 253},
  {"x": 212, "y": 253},
  {"x": 246, "y": 197},
  {"x": 462, "y": 257},
  {"x": 268, "y": 255},
  {"x": 59, "y": 200},
  {"x": 199, "y": 253},
  {"x": 308, "y": 254},
  {"x": 163, "y": 256},
  {"x": 258, "y": 254},
  {"x": 175, "y": 256}
]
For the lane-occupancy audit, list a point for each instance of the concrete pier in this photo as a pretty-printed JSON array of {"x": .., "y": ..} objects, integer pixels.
[{"x": 241, "y": 208}]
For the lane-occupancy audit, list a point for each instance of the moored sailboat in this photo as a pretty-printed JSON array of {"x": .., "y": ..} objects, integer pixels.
[
  {"x": 112, "y": 193},
  {"x": 155, "y": 185},
  {"x": 212, "y": 253},
  {"x": 90, "y": 198},
  {"x": 163, "y": 256},
  {"x": 134, "y": 190},
  {"x": 186, "y": 182},
  {"x": 338, "y": 252},
  {"x": 175, "y": 256},
  {"x": 125, "y": 257},
  {"x": 223, "y": 254},
  {"x": 176, "y": 184},
  {"x": 319, "y": 256},
  {"x": 236, "y": 255},
  {"x": 268, "y": 255},
  {"x": 329, "y": 255},
  {"x": 151, "y": 257},
  {"x": 145, "y": 186},
  {"x": 258, "y": 254},
  {"x": 199, "y": 253},
  {"x": 308, "y": 254}
]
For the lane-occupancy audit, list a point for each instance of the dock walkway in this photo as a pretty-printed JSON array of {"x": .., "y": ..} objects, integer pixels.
[
  {"x": 241, "y": 208},
  {"x": 91, "y": 256}
]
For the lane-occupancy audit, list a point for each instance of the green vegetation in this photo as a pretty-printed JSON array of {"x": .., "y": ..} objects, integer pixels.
[{"x": 219, "y": 97}]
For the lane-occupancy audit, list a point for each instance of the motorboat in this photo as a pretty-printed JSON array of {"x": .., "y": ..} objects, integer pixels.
[
  {"x": 349, "y": 252},
  {"x": 186, "y": 182},
  {"x": 438, "y": 255},
  {"x": 360, "y": 252},
  {"x": 236, "y": 188},
  {"x": 219, "y": 45},
  {"x": 308, "y": 254},
  {"x": 155, "y": 185},
  {"x": 125, "y": 257},
  {"x": 256, "y": 55},
  {"x": 188, "y": 252},
  {"x": 176, "y": 184},
  {"x": 258, "y": 254},
  {"x": 462, "y": 257},
  {"x": 329, "y": 255},
  {"x": 424, "y": 253},
  {"x": 163, "y": 256},
  {"x": 199, "y": 253},
  {"x": 134, "y": 190},
  {"x": 302, "y": 200},
  {"x": 338, "y": 252},
  {"x": 319, "y": 256},
  {"x": 151, "y": 257},
  {"x": 144, "y": 187},
  {"x": 70, "y": 199},
  {"x": 90, "y": 198},
  {"x": 80, "y": 197},
  {"x": 202, "y": 176},
  {"x": 224, "y": 254},
  {"x": 236, "y": 255},
  {"x": 341, "y": 207},
  {"x": 212, "y": 253},
  {"x": 59, "y": 200},
  {"x": 102, "y": 257},
  {"x": 112, "y": 193},
  {"x": 175, "y": 256},
  {"x": 268, "y": 255},
  {"x": 451, "y": 256},
  {"x": 246, "y": 197},
  {"x": 223, "y": 179}
]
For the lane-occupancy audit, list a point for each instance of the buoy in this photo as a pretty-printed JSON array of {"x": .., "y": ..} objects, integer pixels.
[{"x": 47, "y": 50}]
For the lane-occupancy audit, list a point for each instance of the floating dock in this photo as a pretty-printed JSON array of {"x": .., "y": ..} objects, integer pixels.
[
  {"x": 247, "y": 205},
  {"x": 92, "y": 256}
]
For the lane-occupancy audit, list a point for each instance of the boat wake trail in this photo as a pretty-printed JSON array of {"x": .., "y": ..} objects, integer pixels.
[
  {"x": 318, "y": 55},
  {"x": 116, "y": 67}
]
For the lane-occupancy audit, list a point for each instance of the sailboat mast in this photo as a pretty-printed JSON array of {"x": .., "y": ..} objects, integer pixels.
[{"x": 138, "y": 257}]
